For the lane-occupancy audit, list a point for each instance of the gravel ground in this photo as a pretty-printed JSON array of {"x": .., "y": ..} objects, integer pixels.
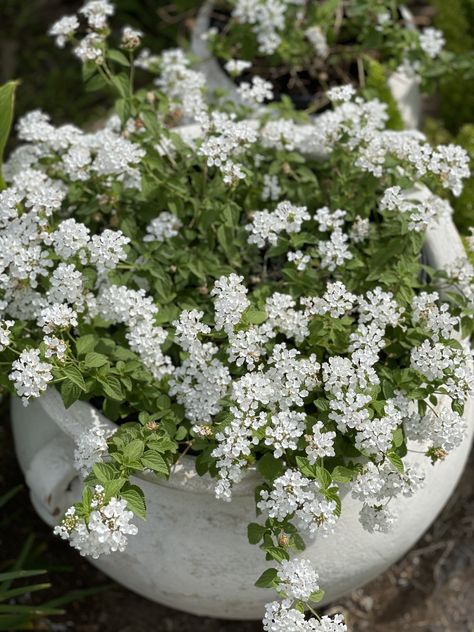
[{"x": 430, "y": 590}]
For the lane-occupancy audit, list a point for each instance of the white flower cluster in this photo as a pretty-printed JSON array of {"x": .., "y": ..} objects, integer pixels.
[
  {"x": 266, "y": 226},
  {"x": 450, "y": 365},
  {"x": 163, "y": 227},
  {"x": 432, "y": 42},
  {"x": 377, "y": 485},
  {"x": 106, "y": 531},
  {"x": 421, "y": 212},
  {"x": 225, "y": 140},
  {"x": 280, "y": 617},
  {"x": 298, "y": 579},
  {"x": 91, "y": 446},
  {"x": 182, "y": 85},
  {"x": 294, "y": 494},
  {"x": 359, "y": 125},
  {"x": 256, "y": 92},
  {"x": 267, "y": 19}
]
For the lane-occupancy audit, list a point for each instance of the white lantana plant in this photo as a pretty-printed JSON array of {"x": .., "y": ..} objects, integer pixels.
[{"x": 297, "y": 333}]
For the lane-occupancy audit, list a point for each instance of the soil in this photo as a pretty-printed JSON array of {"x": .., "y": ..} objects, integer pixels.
[{"x": 430, "y": 590}]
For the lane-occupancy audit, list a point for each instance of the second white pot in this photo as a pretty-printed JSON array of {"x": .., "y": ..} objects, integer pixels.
[{"x": 404, "y": 87}]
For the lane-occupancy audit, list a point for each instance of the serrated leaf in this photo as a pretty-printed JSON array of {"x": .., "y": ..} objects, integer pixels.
[
  {"x": 305, "y": 468},
  {"x": 276, "y": 553},
  {"x": 397, "y": 437},
  {"x": 316, "y": 596},
  {"x": 73, "y": 373},
  {"x": 113, "y": 487},
  {"x": 134, "y": 450},
  {"x": 155, "y": 462},
  {"x": 270, "y": 467},
  {"x": 341, "y": 474},
  {"x": 104, "y": 472},
  {"x": 135, "y": 500},
  {"x": 95, "y": 360},
  {"x": 70, "y": 392},
  {"x": 396, "y": 461},
  {"x": 86, "y": 343},
  {"x": 112, "y": 388},
  {"x": 267, "y": 579},
  {"x": 255, "y": 532}
]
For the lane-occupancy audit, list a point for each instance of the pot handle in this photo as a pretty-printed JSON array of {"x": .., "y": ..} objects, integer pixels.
[
  {"x": 54, "y": 483},
  {"x": 75, "y": 420}
]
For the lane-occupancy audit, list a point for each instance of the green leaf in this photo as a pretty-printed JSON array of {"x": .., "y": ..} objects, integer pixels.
[
  {"x": 113, "y": 487},
  {"x": 323, "y": 476},
  {"x": 396, "y": 461},
  {"x": 155, "y": 462},
  {"x": 95, "y": 360},
  {"x": 267, "y": 579},
  {"x": 255, "y": 532},
  {"x": 86, "y": 343},
  {"x": 73, "y": 373},
  {"x": 341, "y": 474},
  {"x": 270, "y": 467},
  {"x": 7, "y": 104},
  {"x": 134, "y": 450},
  {"x": 398, "y": 437},
  {"x": 135, "y": 499},
  {"x": 276, "y": 553},
  {"x": 118, "y": 57},
  {"x": 316, "y": 596},
  {"x": 112, "y": 388},
  {"x": 305, "y": 468},
  {"x": 104, "y": 472},
  {"x": 70, "y": 392}
]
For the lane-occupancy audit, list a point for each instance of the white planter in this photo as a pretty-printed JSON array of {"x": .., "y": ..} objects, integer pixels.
[
  {"x": 192, "y": 551},
  {"x": 404, "y": 87}
]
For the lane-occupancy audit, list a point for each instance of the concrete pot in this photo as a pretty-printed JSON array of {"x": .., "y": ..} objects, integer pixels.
[
  {"x": 404, "y": 87},
  {"x": 192, "y": 551}
]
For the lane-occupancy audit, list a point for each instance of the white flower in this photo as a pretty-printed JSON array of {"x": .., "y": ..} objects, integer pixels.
[
  {"x": 298, "y": 579},
  {"x": 90, "y": 48},
  {"x": 320, "y": 443},
  {"x": 236, "y": 67},
  {"x": 96, "y": 12},
  {"x": 30, "y": 376},
  {"x": 377, "y": 519},
  {"x": 318, "y": 40},
  {"x": 107, "y": 530},
  {"x": 57, "y": 316},
  {"x": 5, "y": 326},
  {"x": 164, "y": 226},
  {"x": 266, "y": 226},
  {"x": 63, "y": 29},
  {"x": 334, "y": 251},
  {"x": 131, "y": 38},
  {"x": 91, "y": 445},
  {"x": 432, "y": 42},
  {"x": 107, "y": 249},
  {"x": 256, "y": 92},
  {"x": 285, "y": 429},
  {"x": 55, "y": 347},
  {"x": 230, "y": 301},
  {"x": 341, "y": 93},
  {"x": 300, "y": 260}
]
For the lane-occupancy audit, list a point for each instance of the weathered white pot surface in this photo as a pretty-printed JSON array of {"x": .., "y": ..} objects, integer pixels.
[
  {"x": 192, "y": 551},
  {"x": 404, "y": 87}
]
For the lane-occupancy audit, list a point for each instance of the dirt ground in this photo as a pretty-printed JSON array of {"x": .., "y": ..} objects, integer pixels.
[{"x": 430, "y": 590}]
